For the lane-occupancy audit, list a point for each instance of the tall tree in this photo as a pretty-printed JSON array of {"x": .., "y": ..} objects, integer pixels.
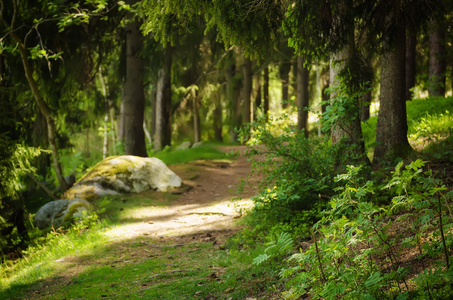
[
  {"x": 411, "y": 42},
  {"x": 302, "y": 100},
  {"x": 133, "y": 102},
  {"x": 437, "y": 64},
  {"x": 391, "y": 129},
  {"x": 266, "y": 92},
  {"x": 162, "y": 137},
  {"x": 247, "y": 90}
]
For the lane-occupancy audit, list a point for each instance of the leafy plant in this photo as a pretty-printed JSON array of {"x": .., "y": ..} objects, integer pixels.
[{"x": 355, "y": 255}]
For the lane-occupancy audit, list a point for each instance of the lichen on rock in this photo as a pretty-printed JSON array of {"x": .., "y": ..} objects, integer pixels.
[
  {"x": 57, "y": 213},
  {"x": 124, "y": 174}
]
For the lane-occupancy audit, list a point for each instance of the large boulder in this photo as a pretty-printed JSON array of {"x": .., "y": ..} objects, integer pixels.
[
  {"x": 124, "y": 174},
  {"x": 57, "y": 213}
]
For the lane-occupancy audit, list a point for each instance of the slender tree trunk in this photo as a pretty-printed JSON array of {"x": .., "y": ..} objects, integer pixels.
[
  {"x": 266, "y": 93},
  {"x": 258, "y": 99},
  {"x": 114, "y": 126},
  {"x": 411, "y": 42},
  {"x": 134, "y": 96},
  {"x": 302, "y": 100},
  {"x": 437, "y": 65},
  {"x": 44, "y": 108},
  {"x": 233, "y": 87},
  {"x": 391, "y": 129},
  {"x": 247, "y": 92},
  {"x": 105, "y": 148},
  {"x": 325, "y": 79},
  {"x": 163, "y": 104},
  {"x": 366, "y": 103},
  {"x": 284, "y": 70},
  {"x": 196, "y": 119},
  {"x": 217, "y": 125},
  {"x": 153, "y": 115}
]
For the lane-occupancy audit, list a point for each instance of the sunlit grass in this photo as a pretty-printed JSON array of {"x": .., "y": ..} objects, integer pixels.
[
  {"x": 429, "y": 120},
  {"x": 183, "y": 156},
  {"x": 40, "y": 261}
]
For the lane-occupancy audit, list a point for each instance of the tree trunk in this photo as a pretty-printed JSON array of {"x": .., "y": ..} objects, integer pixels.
[
  {"x": 284, "y": 70},
  {"x": 218, "y": 119},
  {"x": 133, "y": 93},
  {"x": 347, "y": 129},
  {"x": 196, "y": 118},
  {"x": 247, "y": 92},
  {"x": 163, "y": 104},
  {"x": 391, "y": 129},
  {"x": 302, "y": 100},
  {"x": 266, "y": 93},
  {"x": 105, "y": 147},
  {"x": 233, "y": 87},
  {"x": 437, "y": 65},
  {"x": 153, "y": 115},
  {"x": 411, "y": 42},
  {"x": 114, "y": 126},
  {"x": 365, "y": 107},
  {"x": 258, "y": 99}
]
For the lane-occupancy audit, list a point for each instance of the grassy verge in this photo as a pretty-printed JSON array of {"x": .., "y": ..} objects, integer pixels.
[{"x": 91, "y": 266}]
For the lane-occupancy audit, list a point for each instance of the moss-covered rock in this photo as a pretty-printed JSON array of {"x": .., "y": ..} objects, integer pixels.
[
  {"x": 124, "y": 174},
  {"x": 59, "y": 212}
]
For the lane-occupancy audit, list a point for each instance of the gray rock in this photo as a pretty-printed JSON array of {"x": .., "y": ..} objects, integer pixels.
[
  {"x": 124, "y": 174},
  {"x": 57, "y": 213},
  {"x": 195, "y": 145},
  {"x": 184, "y": 146}
]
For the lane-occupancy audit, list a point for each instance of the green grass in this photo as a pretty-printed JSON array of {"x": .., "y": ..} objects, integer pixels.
[
  {"x": 431, "y": 118},
  {"x": 183, "y": 156},
  {"x": 142, "y": 268},
  {"x": 41, "y": 261}
]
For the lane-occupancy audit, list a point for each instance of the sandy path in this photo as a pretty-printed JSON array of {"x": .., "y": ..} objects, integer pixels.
[{"x": 209, "y": 206}]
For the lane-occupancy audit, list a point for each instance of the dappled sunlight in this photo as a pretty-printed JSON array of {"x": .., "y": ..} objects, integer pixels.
[{"x": 179, "y": 220}]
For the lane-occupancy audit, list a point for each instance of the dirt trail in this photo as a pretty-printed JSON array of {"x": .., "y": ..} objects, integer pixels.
[
  {"x": 204, "y": 213},
  {"x": 206, "y": 206}
]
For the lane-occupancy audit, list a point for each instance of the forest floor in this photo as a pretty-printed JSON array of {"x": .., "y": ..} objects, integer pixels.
[{"x": 167, "y": 245}]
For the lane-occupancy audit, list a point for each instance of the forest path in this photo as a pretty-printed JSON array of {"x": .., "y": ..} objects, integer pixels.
[
  {"x": 164, "y": 245},
  {"x": 208, "y": 204}
]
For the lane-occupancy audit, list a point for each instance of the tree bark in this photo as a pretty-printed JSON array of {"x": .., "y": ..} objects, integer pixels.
[
  {"x": 196, "y": 118},
  {"x": 153, "y": 115},
  {"x": 133, "y": 93},
  {"x": 266, "y": 93},
  {"x": 437, "y": 65},
  {"x": 233, "y": 86},
  {"x": 391, "y": 129},
  {"x": 258, "y": 99},
  {"x": 217, "y": 122},
  {"x": 247, "y": 92},
  {"x": 365, "y": 107},
  {"x": 347, "y": 130},
  {"x": 411, "y": 42},
  {"x": 302, "y": 100},
  {"x": 42, "y": 104},
  {"x": 163, "y": 104},
  {"x": 284, "y": 70}
]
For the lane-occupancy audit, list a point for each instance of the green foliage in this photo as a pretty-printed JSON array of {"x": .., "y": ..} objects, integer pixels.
[
  {"x": 204, "y": 151},
  {"x": 281, "y": 245},
  {"x": 355, "y": 256},
  {"x": 429, "y": 121},
  {"x": 298, "y": 172},
  {"x": 15, "y": 167}
]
